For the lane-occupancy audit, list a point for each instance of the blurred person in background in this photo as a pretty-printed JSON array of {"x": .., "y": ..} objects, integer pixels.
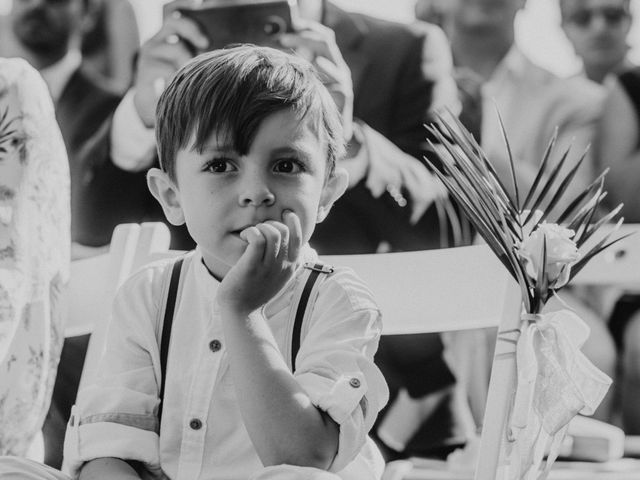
[
  {"x": 618, "y": 148},
  {"x": 598, "y": 31},
  {"x": 34, "y": 253},
  {"x": 532, "y": 103},
  {"x": 48, "y": 34},
  {"x": 110, "y": 44}
]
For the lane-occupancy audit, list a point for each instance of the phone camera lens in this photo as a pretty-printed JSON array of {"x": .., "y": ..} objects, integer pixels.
[{"x": 274, "y": 25}]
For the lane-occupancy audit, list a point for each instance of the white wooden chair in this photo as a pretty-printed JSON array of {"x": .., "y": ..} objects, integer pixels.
[
  {"x": 95, "y": 275},
  {"x": 434, "y": 291},
  {"x": 457, "y": 289},
  {"x": 94, "y": 280}
]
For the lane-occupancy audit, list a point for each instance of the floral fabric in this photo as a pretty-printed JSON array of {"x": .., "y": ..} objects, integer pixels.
[{"x": 34, "y": 252}]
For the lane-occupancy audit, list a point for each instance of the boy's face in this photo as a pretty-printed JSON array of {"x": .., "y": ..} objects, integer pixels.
[{"x": 220, "y": 193}]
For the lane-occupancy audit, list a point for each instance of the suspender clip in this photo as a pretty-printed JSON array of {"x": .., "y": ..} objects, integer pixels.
[{"x": 318, "y": 267}]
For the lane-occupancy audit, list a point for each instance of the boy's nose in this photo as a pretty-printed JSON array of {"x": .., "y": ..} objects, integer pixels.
[{"x": 256, "y": 193}]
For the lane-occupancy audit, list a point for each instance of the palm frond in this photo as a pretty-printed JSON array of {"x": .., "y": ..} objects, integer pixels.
[
  {"x": 541, "y": 170},
  {"x": 547, "y": 185},
  {"x": 512, "y": 167},
  {"x": 475, "y": 185}
]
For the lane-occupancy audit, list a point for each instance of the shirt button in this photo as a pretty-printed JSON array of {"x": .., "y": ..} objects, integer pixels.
[
  {"x": 215, "y": 345},
  {"x": 354, "y": 382},
  {"x": 195, "y": 424}
]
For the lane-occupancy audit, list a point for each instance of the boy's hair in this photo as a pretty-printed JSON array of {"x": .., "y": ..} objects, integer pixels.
[{"x": 231, "y": 91}]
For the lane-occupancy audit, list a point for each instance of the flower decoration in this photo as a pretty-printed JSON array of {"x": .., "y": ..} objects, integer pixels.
[
  {"x": 555, "y": 381},
  {"x": 542, "y": 256}
]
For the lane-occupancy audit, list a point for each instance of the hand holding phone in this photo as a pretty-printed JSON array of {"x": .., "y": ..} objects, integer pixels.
[
  {"x": 177, "y": 41},
  {"x": 317, "y": 43}
]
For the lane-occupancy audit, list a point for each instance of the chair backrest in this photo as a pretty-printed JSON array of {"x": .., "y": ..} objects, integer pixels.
[
  {"x": 94, "y": 280},
  {"x": 618, "y": 265}
]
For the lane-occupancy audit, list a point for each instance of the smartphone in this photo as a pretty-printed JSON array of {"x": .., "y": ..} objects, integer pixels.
[{"x": 227, "y": 22}]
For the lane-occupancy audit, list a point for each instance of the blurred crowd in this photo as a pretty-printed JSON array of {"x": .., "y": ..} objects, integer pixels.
[{"x": 388, "y": 79}]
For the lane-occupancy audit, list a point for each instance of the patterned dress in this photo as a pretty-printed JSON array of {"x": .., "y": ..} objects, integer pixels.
[{"x": 34, "y": 252}]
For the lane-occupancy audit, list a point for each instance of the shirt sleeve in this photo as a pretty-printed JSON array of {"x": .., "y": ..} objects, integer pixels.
[
  {"x": 115, "y": 412},
  {"x": 335, "y": 363},
  {"x": 132, "y": 143}
]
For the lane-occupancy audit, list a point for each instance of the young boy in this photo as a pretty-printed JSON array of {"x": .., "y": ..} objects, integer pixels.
[{"x": 248, "y": 140}]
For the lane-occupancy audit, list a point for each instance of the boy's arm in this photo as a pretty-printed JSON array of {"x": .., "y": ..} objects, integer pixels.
[
  {"x": 284, "y": 426},
  {"x": 108, "y": 468}
]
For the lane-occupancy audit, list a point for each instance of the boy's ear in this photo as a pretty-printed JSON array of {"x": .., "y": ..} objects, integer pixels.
[
  {"x": 166, "y": 193},
  {"x": 333, "y": 189}
]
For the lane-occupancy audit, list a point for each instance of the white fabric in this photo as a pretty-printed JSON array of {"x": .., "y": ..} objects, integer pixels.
[
  {"x": 132, "y": 143},
  {"x": 532, "y": 103},
  {"x": 555, "y": 382},
  {"x": 57, "y": 75},
  {"x": 290, "y": 472},
  {"x": 34, "y": 253},
  {"x": 115, "y": 414}
]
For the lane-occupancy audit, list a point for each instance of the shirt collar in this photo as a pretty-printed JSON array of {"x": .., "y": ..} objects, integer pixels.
[{"x": 57, "y": 75}]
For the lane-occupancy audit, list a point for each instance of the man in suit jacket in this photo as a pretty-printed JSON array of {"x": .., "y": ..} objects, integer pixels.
[{"x": 392, "y": 97}]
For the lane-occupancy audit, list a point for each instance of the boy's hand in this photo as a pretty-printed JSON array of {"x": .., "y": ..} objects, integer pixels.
[
  {"x": 178, "y": 41},
  {"x": 265, "y": 267}
]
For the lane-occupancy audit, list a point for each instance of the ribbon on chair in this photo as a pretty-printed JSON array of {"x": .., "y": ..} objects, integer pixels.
[{"x": 555, "y": 382}]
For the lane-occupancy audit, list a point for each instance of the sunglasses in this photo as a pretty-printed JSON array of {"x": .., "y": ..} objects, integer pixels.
[{"x": 613, "y": 16}]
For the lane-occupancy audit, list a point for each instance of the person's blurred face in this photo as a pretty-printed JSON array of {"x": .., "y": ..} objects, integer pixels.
[
  {"x": 45, "y": 26},
  {"x": 485, "y": 15},
  {"x": 597, "y": 29}
]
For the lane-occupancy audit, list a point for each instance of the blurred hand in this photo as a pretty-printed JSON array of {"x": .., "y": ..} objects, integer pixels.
[
  {"x": 266, "y": 265},
  {"x": 317, "y": 43},
  {"x": 178, "y": 41},
  {"x": 390, "y": 169}
]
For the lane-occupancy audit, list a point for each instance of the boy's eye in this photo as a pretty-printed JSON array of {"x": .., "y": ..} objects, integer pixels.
[
  {"x": 219, "y": 165},
  {"x": 287, "y": 165}
]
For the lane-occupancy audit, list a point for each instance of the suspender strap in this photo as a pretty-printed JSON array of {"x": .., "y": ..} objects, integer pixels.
[
  {"x": 166, "y": 327},
  {"x": 316, "y": 270}
]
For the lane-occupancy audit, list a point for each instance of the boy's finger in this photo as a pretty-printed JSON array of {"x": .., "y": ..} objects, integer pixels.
[
  {"x": 255, "y": 250},
  {"x": 284, "y": 238},
  {"x": 292, "y": 221},
  {"x": 272, "y": 242}
]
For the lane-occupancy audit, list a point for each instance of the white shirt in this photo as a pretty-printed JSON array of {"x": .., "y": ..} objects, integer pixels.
[
  {"x": 57, "y": 76},
  {"x": 532, "y": 103},
  {"x": 203, "y": 435}
]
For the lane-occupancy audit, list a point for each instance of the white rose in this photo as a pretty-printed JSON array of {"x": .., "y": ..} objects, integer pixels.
[{"x": 561, "y": 253}]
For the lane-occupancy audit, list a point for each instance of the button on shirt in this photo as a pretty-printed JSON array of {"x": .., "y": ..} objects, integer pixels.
[{"x": 202, "y": 433}]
